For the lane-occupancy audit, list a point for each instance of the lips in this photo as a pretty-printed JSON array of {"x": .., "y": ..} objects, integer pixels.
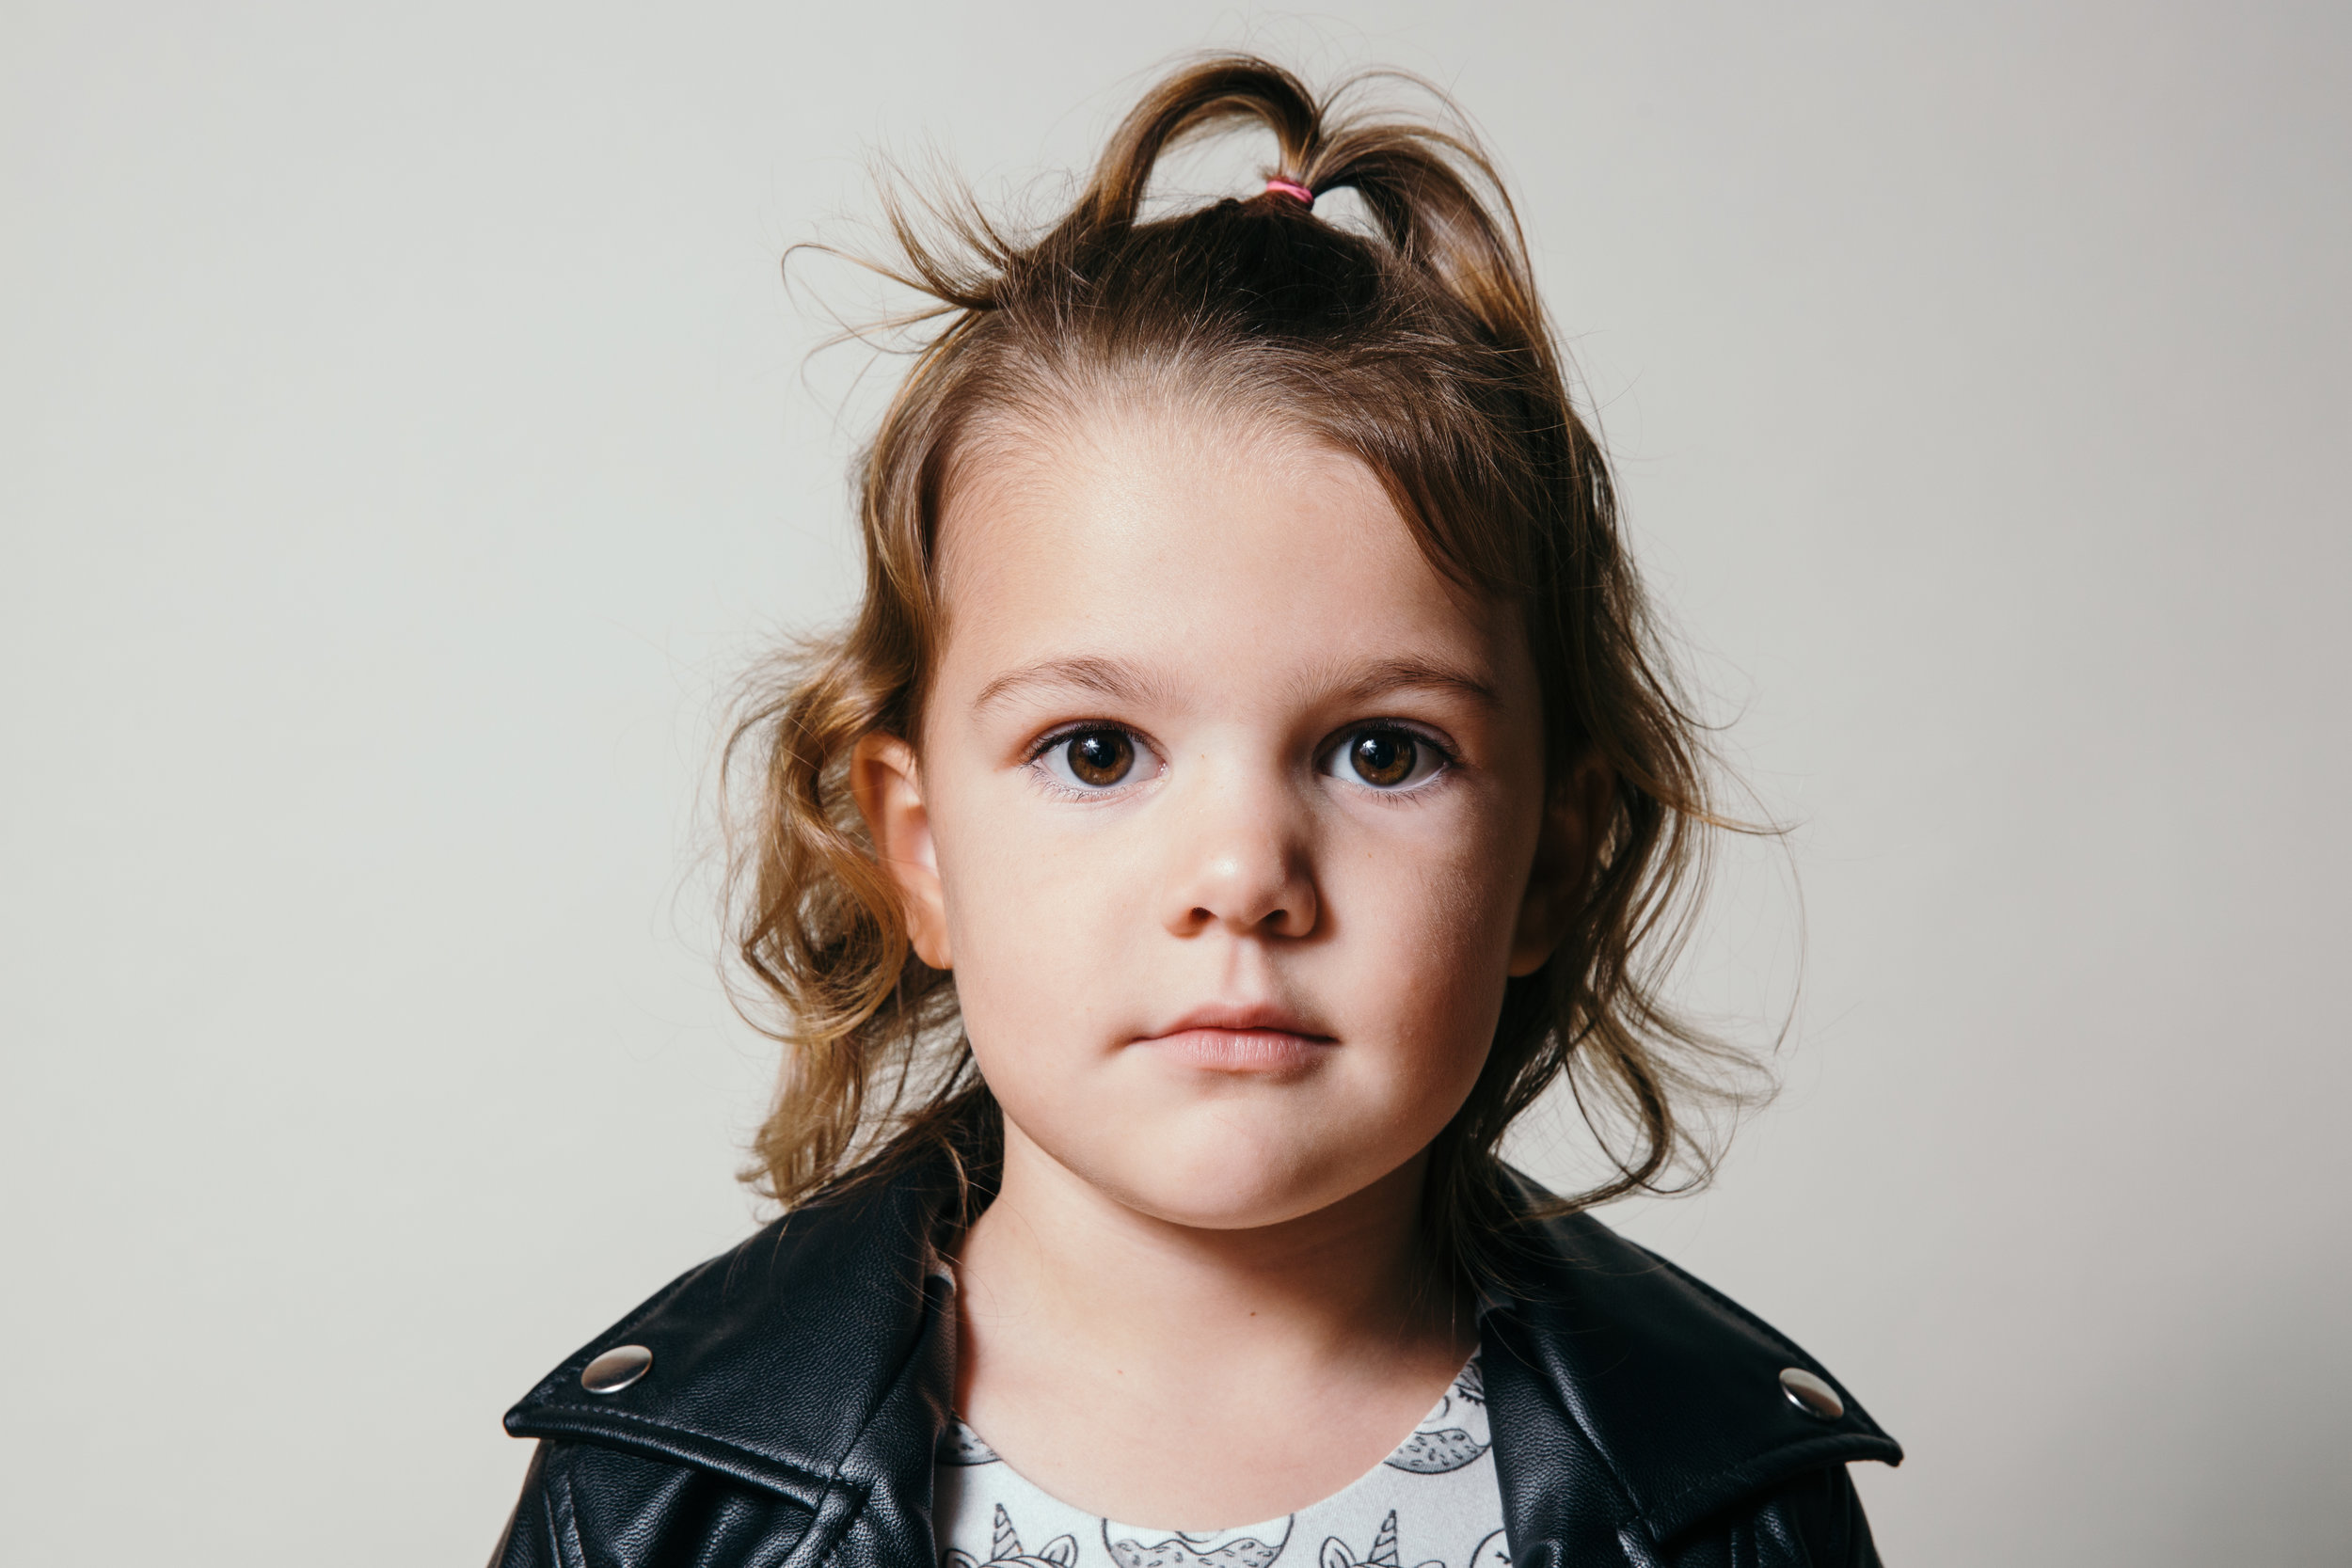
[{"x": 1246, "y": 1039}]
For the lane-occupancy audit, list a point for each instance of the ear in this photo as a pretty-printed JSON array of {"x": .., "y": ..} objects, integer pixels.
[
  {"x": 888, "y": 788},
  {"x": 1574, "y": 817}
]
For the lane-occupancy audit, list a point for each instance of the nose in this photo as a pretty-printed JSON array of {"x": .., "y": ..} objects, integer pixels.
[{"x": 1242, "y": 861}]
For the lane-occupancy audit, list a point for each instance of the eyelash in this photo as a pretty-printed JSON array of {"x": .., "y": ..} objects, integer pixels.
[
  {"x": 1446, "y": 759},
  {"x": 1043, "y": 747}
]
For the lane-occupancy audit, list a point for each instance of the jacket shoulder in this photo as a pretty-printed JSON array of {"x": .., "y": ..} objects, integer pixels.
[
  {"x": 586, "y": 1502},
  {"x": 1692, "y": 1409},
  {"x": 765, "y": 1364},
  {"x": 1812, "y": 1520}
]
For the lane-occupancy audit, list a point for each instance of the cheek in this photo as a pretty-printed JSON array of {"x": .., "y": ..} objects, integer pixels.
[
  {"x": 1031, "y": 918},
  {"x": 1427, "y": 948},
  {"x": 1453, "y": 882}
]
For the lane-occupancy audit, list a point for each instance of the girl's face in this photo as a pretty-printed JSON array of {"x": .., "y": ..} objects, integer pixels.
[{"x": 1228, "y": 815}]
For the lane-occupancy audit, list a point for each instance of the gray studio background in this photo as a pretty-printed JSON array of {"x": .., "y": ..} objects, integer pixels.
[{"x": 405, "y": 438}]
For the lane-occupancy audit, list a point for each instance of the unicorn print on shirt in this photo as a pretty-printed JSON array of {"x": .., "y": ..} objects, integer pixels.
[
  {"x": 1434, "y": 1498},
  {"x": 1383, "y": 1553},
  {"x": 1004, "y": 1550},
  {"x": 1247, "y": 1547},
  {"x": 1454, "y": 1434}
]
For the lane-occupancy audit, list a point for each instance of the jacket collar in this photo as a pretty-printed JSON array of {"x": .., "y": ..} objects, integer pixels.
[
  {"x": 1671, "y": 1389},
  {"x": 818, "y": 1356},
  {"x": 772, "y": 1360}
]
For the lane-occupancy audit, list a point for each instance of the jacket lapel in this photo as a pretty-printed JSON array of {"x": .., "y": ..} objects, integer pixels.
[
  {"x": 1630, "y": 1401},
  {"x": 815, "y": 1360}
]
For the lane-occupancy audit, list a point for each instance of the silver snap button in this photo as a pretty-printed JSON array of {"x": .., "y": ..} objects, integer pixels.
[
  {"x": 617, "y": 1369},
  {"x": 1811, "y": 1394}
]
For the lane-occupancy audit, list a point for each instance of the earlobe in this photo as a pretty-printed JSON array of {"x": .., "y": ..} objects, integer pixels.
[
  {"x": 888, "y": 788},
  {"x": 1564, "y": 852}
]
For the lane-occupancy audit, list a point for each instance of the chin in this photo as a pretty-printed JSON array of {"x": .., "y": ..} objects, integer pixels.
[{"x": 1215, "y": 1185}]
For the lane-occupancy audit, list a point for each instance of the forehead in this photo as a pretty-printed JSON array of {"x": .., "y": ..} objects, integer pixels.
[{"x": 1189, "y": 537}]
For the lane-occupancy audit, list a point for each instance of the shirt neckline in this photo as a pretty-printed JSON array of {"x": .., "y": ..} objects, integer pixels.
[{"x": 1428, "y": 1449}]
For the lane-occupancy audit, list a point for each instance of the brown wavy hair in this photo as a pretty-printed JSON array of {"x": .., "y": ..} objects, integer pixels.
[{"x": 1415, "y": 341}]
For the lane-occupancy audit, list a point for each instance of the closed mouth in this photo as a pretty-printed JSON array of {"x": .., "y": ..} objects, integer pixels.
[{"x": 1263, "y": 1040}]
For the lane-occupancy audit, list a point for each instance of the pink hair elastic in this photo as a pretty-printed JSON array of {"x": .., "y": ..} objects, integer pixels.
[{"x": 1290, "y": 188}]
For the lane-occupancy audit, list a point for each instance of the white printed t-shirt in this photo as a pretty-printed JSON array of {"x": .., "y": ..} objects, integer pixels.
[{"x": 1434, "y": 1503}]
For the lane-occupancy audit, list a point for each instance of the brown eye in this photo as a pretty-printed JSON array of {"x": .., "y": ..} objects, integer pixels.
[
  {"x": 1383, "y": 758},
  {"x": 1099, "y": 758},
  {"x": 1387, "y": 758}
]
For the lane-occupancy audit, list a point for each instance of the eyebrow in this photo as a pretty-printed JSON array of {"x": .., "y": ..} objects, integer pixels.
[
  {"x": 1410, "y": 674},
  {"x": 1107, "y": 677},
  {"x": 1125, "y": 684}
]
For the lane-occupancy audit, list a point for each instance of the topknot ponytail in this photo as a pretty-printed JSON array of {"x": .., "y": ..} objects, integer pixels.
[
  {"x": 1213, "y": 95},
  {"x": 1422, "y": 349},
  {"x": 1432, "y": 192}
]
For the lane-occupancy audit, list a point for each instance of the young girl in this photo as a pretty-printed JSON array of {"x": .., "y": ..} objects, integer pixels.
[{"x": 1246, "y": 787}]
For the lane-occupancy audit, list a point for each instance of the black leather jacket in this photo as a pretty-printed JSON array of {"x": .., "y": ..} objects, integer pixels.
[{"x": 799, "y": 1382}]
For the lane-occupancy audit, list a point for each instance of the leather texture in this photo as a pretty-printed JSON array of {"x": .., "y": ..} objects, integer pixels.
[{"x": 799, "y": 1381}]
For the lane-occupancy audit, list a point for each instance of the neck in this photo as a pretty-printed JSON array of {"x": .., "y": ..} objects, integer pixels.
[{"x": 1073, "y": 1266}]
